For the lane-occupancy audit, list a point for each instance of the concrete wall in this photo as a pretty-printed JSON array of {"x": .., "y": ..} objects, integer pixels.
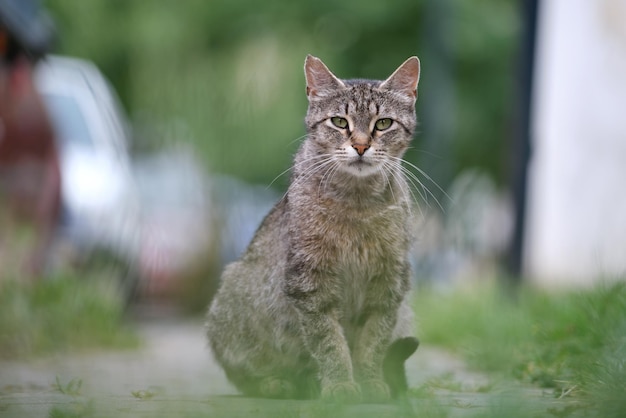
[{"x": 576, "y": 229}]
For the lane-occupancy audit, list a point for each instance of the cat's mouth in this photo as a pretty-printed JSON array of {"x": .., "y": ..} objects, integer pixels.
[
  {"x": 361, "y": 167},
  {"x": 359, "y": 162}
]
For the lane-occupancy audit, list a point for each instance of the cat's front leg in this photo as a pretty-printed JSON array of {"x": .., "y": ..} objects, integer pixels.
[
  {"x": 324, "y": 339},
  {"x": 323, "y": 336},
  {"x": 378, "y": 321},
  {"x": 369, "y": 352}
]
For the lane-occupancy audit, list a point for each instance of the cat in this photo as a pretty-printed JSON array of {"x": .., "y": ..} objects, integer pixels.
[{"x": 318, "y": 306}]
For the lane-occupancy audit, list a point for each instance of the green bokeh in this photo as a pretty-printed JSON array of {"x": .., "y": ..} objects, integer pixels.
[{"x": 227, "y": 75}]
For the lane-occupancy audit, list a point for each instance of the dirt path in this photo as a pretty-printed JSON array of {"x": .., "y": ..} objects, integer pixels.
[{"x": 173, "y": 375}]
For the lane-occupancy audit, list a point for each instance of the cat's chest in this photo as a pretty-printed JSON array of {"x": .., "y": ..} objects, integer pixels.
[
  {"x": 353, "y": 249},
  {"x": 362, "y": 243},
  {"x": 368, "y": 252}
]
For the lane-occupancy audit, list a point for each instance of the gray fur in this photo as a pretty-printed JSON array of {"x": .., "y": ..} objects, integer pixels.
[{"x": 321, "y": 292}]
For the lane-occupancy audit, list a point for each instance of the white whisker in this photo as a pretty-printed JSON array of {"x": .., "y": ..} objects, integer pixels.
[
  {"x": 412, "y": 177},
  {"x": 422, "y": 190},
  {"x": 423, "y": 173},
  {"x": 381, "y": 170},
  {"x": 412, "y": 188},
  {"x": 309, "y": 171},
  {"x": 401, "y": 179},
  {"x": 331, "y": 173},
  {"x": 388, "y": 168},
  {"x": 423, "y": 151},
  {"x": 325, "y": 177},
  {"x": 296, "y": 165},
  {"x": 425, "y": 190},
  {"x": 297, "y": 139}
]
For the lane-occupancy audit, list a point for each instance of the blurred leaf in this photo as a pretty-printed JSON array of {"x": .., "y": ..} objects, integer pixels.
[{"x": 232, "y": 70}]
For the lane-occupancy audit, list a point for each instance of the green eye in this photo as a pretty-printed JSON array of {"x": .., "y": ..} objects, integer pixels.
[
  {"x": 339, "y": 122},
  {"x": 382, "y": 124}
]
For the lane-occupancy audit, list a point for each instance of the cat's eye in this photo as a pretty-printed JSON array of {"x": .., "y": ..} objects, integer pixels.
[
  {"x": 382, "y": 124},
  {"x": 339, "y": 122}
]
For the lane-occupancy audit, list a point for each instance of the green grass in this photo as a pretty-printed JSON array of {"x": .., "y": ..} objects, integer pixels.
[
  {"x": 59, "y": 314},
  {"x": 570, "y": 342}
]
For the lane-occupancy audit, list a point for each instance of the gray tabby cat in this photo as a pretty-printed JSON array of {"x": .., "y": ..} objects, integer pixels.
[{"x": 318, "y": 305}]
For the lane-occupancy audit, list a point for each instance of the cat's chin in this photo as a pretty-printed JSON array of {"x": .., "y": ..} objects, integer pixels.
[{"x": 361, "y": 169}]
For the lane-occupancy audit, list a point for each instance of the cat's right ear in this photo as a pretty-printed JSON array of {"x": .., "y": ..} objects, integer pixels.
[
  {"x": 319, "y": 80},
  {"x": 405, "y": 78}
]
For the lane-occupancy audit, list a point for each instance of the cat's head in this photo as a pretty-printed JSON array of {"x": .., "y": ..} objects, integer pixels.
[{"x": 362, "y": 125}]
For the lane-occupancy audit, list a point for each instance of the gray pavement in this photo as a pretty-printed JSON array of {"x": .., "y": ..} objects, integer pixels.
[{"x": 173, "y": 375}]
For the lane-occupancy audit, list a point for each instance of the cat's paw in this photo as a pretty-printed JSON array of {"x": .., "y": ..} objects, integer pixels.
[
  {"x": 375, "y": 391},
  {"x": 275, "y": 387},
  {"x": 342, "y": 392}
]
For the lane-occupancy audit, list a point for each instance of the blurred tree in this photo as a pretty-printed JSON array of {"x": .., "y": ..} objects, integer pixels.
[{"x": 230, "y": 72}]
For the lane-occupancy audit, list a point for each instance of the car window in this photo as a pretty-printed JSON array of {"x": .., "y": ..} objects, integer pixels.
[{"x": 68, "y": 120}]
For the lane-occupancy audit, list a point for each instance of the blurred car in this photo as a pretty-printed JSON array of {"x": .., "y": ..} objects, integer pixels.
[
  {"x": 176, "y": 230},
  {"x": 100, "y": 205},
  {"x": 240, "y": 208}
]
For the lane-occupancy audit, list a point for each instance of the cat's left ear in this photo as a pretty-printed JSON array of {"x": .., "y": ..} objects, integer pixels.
[
  {"x": 319, "y": 80},
  {"x": 405, "y": 78}
]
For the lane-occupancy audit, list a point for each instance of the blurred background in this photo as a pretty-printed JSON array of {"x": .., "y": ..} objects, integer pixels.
[
  {"x": 224, "y": 81},
  {"x": 174, "y": 120},
  {"x": 228, "y": 76},
  {"x": 142, "y": 142}
]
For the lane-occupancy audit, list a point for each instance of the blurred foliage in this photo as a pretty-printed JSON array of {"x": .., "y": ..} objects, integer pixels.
[
  {"x": 64, "y": 313},
  {"x": 571, "y": 342},
  {"x": 227, "y": 75}
]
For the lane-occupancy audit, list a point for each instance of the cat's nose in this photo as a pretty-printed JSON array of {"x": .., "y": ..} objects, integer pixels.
[{"x": 360, "y": 148}]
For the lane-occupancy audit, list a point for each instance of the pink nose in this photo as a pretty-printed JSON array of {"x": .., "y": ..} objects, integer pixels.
[{"x": 360, "y": 148}]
